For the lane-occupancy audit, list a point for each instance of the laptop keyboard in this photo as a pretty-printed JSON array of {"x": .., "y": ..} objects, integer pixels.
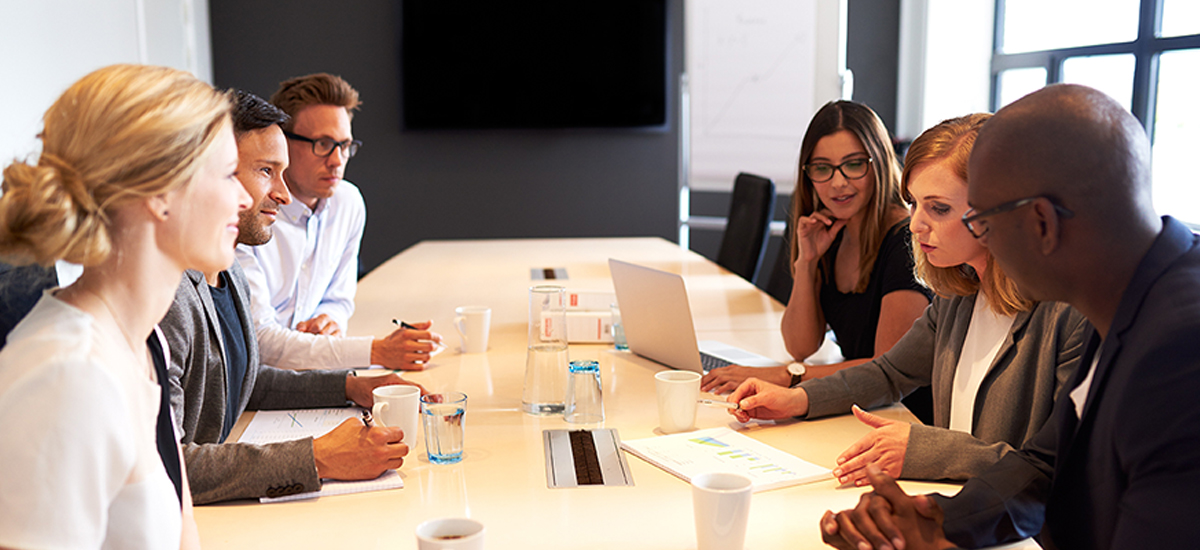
[{"x": 709, "y": 362}]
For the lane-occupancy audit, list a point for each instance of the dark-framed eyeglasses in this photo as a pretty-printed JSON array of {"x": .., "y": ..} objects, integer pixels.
[
  {"x": 821, "y": 172},
  {"x": 322, "y": 147},
  {"x": 978, "y": 226}
]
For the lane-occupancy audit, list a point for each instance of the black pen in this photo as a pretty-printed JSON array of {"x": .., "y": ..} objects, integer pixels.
[
  {"x": 366, "y": 418},
  {"x": 436, "y": 344}
]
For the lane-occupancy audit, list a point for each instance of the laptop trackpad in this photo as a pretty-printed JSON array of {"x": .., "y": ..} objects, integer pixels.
[{"x": 737, "y": 356}]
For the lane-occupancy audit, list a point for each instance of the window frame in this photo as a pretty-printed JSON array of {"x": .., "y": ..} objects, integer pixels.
[{"x": 1145, "y": 49}]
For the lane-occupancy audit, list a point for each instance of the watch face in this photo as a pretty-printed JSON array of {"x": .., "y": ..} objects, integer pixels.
[{"x": 797, "y": 369}]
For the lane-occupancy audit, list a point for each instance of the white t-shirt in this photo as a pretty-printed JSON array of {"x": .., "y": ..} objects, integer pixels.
[
  {"x": 1079, "y": 395},
  {"x": 985, "y": 335},
  {"x": 79, "y": 467}
]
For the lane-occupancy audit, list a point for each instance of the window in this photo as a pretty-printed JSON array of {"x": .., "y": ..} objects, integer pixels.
[{"x": 1143, "y": 53}]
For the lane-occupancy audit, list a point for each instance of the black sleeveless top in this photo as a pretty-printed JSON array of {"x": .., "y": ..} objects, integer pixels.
[{"x": 855, "y": 316}]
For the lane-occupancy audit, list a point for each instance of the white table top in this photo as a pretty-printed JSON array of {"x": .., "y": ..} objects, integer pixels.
[{"x": 501, "y": 480}]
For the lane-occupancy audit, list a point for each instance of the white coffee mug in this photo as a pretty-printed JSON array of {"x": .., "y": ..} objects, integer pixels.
[
  {"x": 677, "y": 391},
  {"x": 722, "y": 505},
  {"x": 450, "y": 533},
  {"x": 472, "y": 323},
  {"x": 398, "y": 406}
]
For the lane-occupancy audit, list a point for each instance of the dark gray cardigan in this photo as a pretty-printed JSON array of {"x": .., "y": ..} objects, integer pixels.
[
  {"x": 223, "y": 471},
  {"x": 1016, "y": 396}
]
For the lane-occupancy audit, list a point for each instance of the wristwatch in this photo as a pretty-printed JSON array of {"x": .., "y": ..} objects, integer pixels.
[{"x": 797, "y": 369}]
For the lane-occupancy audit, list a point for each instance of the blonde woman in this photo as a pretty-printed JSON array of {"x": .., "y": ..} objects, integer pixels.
[
  {"x": 135, "y": 181},
  {"x": 993, "y": 359}
]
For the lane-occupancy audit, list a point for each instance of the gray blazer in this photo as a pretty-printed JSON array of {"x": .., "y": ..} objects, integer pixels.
[
  {"x": 223, "y": 471},
  {"x": 1016, "y": 396}
]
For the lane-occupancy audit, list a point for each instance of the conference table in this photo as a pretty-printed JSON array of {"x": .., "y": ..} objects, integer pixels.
[{"x": 501, "y": 480}]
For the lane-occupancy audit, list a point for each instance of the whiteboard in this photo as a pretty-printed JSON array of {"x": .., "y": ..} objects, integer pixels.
[{"x": 757, "y": 70}]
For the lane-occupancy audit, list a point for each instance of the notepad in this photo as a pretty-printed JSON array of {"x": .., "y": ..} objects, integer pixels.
[
  {"x": 690, "y": 454},
  {"x": 276, "y": 426},
  {"x": 390, "y": 479}
]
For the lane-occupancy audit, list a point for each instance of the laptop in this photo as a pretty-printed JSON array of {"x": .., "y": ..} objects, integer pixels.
[{"x": 658, "y": 322}]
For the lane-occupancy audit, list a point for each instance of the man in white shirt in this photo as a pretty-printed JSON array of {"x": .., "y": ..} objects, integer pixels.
[{"x": 304, "y": 279}]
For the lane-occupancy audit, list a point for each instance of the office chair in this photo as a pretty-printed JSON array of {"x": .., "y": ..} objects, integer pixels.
[
  {"x": 20, "y": 289},
  {"x": 779, "y": 280},
  {"x": 749, "y": 225}
]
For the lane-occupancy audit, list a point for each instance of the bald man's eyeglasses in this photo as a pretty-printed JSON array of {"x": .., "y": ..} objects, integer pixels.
[
  {"x": 978, "y": 226},
  {"x": 322, "y": 147}
]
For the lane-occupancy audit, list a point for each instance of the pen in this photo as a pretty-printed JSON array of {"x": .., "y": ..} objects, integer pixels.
[
  {"x": 715, "y": 403},
  {"x": 436, "y": 344},
  {"x": 366, "y": 418}
]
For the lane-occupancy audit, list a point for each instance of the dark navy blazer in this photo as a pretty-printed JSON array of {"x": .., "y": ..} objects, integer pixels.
[{"x": 1126, "y": 474}]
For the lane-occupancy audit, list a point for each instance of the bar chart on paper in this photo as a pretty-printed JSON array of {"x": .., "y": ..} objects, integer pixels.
[{"x": 723, "y": 450}]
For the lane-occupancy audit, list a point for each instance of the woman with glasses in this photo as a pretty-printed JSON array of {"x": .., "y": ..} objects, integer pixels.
[
  {"x": 994, "y": 359},
  {"x": 135, "y": 181},
  {"x": 851, "y": 267}
]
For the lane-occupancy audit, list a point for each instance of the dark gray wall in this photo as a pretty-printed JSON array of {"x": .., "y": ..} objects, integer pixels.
[
  {"x": 872, "y": 48},
  {"x": 453, "y": 184}
]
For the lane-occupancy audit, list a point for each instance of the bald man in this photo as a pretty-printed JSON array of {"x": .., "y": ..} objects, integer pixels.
[{"x": 1059, "y": 183}]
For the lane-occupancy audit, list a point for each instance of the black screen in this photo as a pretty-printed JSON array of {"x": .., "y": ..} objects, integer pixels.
[{"x": 534, "y": 63}]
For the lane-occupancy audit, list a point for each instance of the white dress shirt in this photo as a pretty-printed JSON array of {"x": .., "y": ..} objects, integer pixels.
[{"x": 309, "y": 267}]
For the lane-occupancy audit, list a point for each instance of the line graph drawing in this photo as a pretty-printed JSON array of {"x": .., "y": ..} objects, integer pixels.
[{"x": 751, "y": 70}]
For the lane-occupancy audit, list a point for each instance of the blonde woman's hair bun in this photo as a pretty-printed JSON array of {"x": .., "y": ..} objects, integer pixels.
[{"x": 47, "y": 214}]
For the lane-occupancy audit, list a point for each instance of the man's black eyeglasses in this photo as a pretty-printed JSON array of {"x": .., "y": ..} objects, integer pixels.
[
  {"x": 978, "y": 226},
  {"x": 324, "y": 146}
]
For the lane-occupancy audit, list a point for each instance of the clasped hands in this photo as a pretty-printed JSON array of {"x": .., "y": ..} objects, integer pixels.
[
  {"x": 886, "y": 519},
  {"x": 321, "y": 324}
]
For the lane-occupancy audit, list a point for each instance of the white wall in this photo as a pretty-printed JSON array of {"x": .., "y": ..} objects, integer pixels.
[{"x": 49, "y": 44}]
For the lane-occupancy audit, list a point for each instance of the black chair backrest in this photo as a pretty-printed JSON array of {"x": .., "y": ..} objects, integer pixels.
[
  {"x": 749, "y": 225},
  {"x": 779, "y": 280},
  {"x": 20, "y": 289}
]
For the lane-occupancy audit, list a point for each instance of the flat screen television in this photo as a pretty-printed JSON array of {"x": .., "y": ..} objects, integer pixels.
[{"x": 474, "y": 64}]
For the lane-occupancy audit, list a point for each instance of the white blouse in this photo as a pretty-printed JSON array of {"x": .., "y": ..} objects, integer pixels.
[
  {"x": 79, "y": 466},
  {"x": 986, "y": 334}
]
